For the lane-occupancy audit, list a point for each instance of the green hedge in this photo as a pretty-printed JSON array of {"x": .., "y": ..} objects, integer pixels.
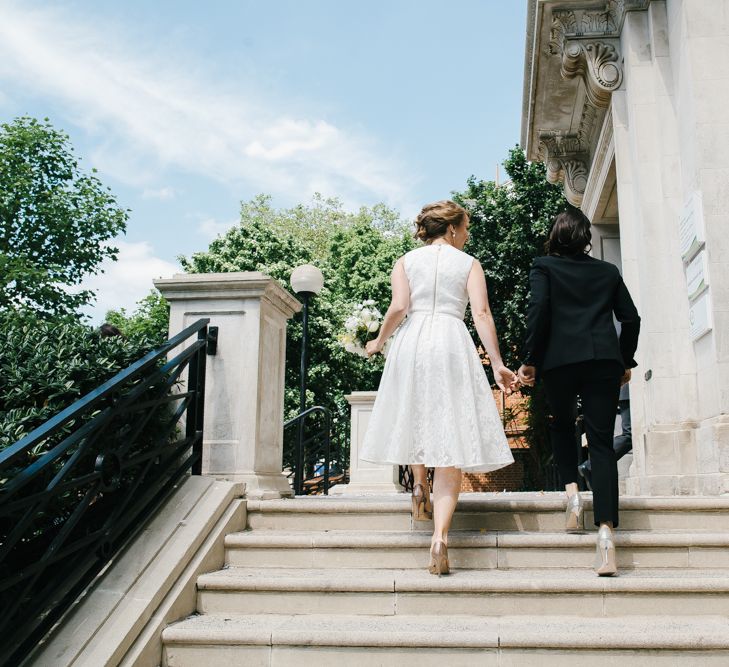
[{"x": 46, "y": 365}]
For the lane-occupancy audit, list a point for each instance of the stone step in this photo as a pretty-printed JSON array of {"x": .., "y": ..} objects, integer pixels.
[
  {"x": 329, "y": 640},
  {"x": 476, "y": 511},
  {"x": 471, "y": 592},
  {"x": 473, "y": 549}
]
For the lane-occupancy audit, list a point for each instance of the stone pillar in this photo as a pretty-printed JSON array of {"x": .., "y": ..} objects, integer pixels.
[
  {"x": 243, "y": 434},
  {"x": 671, "y": 147},
  {"x": 364, "y": 477}
]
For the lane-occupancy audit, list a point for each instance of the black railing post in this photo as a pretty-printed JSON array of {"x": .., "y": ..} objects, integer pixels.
[
  {"x": 299, "y": 471},
  {"x": 198, "y": 406},
  {"x": 328, "y": 450}
]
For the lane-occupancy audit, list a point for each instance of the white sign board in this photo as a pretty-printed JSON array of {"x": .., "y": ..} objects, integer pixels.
[
  {"x": 697, "y": 275},
  {"x": 691, "y": 226},
  {"x": 700, "y": 317}
]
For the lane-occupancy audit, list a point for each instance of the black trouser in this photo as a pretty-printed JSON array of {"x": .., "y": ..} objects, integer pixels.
[{"x": 598, "y": 385}]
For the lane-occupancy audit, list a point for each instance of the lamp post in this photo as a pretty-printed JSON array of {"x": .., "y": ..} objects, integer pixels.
[{"x": 306, "y": 281}]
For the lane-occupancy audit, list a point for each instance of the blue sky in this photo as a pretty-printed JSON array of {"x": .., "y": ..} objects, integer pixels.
[{"x": 187, "y": 108}]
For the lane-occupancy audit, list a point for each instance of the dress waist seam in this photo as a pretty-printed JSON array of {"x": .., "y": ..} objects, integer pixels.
[{"x": 437, "y": 312}]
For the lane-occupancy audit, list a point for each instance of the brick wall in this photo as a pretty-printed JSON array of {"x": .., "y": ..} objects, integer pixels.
[{"x": 510, "y": 478}]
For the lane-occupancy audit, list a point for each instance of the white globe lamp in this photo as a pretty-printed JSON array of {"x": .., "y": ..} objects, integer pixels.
[{"x": 307, "y": 278}]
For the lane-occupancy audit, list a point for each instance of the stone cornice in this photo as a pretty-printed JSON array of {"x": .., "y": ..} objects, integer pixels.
[
  {"x": 570, "y": 41},
  {"x": 527, "y": 100},
  {"x": 234, "y": 285}
]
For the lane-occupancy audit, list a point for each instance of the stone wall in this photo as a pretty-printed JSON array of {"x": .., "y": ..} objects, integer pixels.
[
  {"x": 654, "y": 136},
  {"x": 671, "y": 140}
]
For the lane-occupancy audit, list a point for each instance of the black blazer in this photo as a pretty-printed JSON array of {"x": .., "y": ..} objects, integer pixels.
[{"x": 570, "y": 313}]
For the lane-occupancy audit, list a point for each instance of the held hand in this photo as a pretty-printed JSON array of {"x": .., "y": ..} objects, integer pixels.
[
  {"x": 527, "y": 375},
  {"x": 505, "y": 379},
  {"x": 626, "y": 377},
  {"x": 373, "y": 347}
]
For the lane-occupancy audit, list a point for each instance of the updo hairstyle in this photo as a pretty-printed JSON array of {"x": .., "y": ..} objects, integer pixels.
[
  {"x": 434, "y": 219},
  {"x": 570, "y": 234}
]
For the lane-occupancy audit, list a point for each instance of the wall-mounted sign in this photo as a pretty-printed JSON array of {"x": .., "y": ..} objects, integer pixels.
[
  {"x": 700, "y": 317},
  {"x": 691, "y": 226},
  {"x": 697, "y": 275}
]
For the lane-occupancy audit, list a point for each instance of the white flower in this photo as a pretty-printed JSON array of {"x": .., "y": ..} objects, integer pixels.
[
  {"x": 373, "y": 326},
  {"x": 367, "y": 316},
  {"x": 351, "y": 324}
]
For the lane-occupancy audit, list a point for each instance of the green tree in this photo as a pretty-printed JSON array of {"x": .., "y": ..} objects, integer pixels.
[
  {"x": 509, "y": 225},
  {"x": 354, "y": 251},
  {"x": 150, "y": 319},
  {"x": 55, "y": 220}
]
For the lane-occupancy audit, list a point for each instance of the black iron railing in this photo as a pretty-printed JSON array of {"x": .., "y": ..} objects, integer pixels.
[
  {"x": 406, "y": 479},
  {"x": 310, "y": 434},
  {"x": 76, "y": 488}
]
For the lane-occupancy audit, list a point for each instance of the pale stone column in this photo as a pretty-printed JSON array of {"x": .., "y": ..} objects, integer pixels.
[
  {"x": 365, "y": 477},
  {"x": 244, "y": 391},
  {"x": 670, "y": 139}
]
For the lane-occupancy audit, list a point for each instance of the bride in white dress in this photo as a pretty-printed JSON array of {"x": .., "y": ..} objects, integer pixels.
[{"x": 434, "y": 405}]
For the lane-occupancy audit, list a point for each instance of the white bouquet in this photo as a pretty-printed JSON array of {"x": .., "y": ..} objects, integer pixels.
[{"x": 361, "y": 327}]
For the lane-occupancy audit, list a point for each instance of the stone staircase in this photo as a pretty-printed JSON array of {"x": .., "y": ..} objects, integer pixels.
[{"x": 331, "y": 581}]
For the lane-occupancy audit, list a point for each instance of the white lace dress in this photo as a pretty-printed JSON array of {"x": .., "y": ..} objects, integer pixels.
[{"x": 434, "y": 404}]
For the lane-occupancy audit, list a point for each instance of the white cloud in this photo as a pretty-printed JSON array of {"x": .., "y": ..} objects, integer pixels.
[
  {"x": 160, "y": 193},
  {"x": 127, "y": 280},
  {"x": 154, "y": 112},
  {"x": 210, "y": 227}
]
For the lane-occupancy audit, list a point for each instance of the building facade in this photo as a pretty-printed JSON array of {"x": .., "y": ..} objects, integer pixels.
[{"x": 627, "y": 104}]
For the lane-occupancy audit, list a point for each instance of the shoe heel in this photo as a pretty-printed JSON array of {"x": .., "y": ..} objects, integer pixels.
[
  {"x": 421, "y": 506},
  {"x": 605, "y": 565},
  {"x": 439, "y": 559},
  {"x": 575, "y": 514}
]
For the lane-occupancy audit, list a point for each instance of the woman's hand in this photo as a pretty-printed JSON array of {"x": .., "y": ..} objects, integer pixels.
[
  {"x": 626, "y": 377},
  {"x": 505, "y": 379},
  {"x": 373, "y": 347}
]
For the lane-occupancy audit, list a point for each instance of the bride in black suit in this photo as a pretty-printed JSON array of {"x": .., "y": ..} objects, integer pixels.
[{"x": 572, "y": 345}]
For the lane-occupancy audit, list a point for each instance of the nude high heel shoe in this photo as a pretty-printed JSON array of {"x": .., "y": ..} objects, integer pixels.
[
  {"x": 439, "y": 559},
  {"x": 605, "y": 553},
  {"x": 574, "y": 519},
  {"x": 422, "y": 507}
]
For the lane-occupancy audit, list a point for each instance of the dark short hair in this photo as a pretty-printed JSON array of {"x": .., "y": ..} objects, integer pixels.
[
  {"x": 106, "y": 330},
  {"x": 570, "y": 234}
]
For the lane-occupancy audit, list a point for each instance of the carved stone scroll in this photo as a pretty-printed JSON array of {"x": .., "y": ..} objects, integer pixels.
[
  {"x": 566, "y": 162},
  {"x": 598, "y": 65}
]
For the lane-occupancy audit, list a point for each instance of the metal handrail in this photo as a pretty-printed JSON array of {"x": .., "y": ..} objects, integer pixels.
[
  {"x": 64, "y": 511},
  {"x": 322, "y": 437}
]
